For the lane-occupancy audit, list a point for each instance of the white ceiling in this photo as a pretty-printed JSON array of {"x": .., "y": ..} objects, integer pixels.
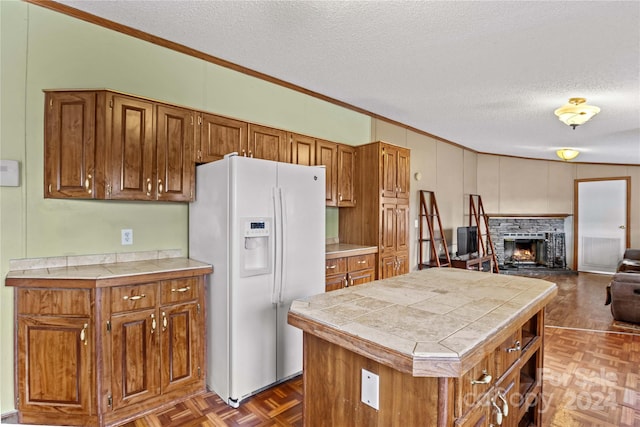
[{"x": 483, "y": 74}]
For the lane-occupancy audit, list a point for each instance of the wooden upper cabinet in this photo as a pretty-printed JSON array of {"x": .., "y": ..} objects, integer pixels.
[
  {"x": 219, "y": 136},
  {"x": 70, "y": 130},
  {"x": 174, "y": 153},
  {"x": 131, "y": 149},
  {"x": 303, "y": 149},
  {"x": 107, "y": 145},
  {"x": 268, "y": 143},
  {"x": 346, "y": 175},
  {"x": 395, "y": 171},
  {"x": 327, "y": 155}
]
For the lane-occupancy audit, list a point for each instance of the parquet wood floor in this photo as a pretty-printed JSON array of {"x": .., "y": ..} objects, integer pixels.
[{"x": 591, "y": 376}]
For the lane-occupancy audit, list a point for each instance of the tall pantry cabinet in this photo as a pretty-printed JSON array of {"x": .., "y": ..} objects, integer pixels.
[{"x": 381, "y": 216}]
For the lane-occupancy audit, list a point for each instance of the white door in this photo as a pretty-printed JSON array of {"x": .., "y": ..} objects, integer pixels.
[{"x": 602, "y": 223}]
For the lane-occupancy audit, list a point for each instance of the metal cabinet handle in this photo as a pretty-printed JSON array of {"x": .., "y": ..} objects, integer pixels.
[
  {"x": 250, "y": 153},
  {"x": 164, "y": 321},
  {"x": 185, "y": 289},
  {"x": 159, "y": 186},
  {"x": 484, "y": 379},
  {"x": 362, "y": 262},
  {"x": 331, "y": 267},
  {"x": 153, "y": 323},
  {"x": 339, "y": 197},
  {"x": 148, "y": 186},
  {"x": 83, "y": 334},
  {"x": 498, "y": 412},
  {"x": 87, "y": 184},
  {"x": 505, "y": 405},
  {"x": 133, "y": 298},
  {"x": 516, "y": 347}
]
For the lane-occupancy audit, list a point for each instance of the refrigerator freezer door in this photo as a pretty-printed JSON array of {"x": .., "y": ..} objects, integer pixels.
[
  {"x": 252, "y": 314},
  {"x": 302, "y": 190}
]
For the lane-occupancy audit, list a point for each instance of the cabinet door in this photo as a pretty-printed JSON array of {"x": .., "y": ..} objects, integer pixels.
[
  {"x": 363, "y": 276},
  {"x": 181, "y": 362},
  {"x": 220, "y": 136},
  {"x": 135, "y": 357},
  {"x": 403, "y": 172},
  {"x": 402, "y": 258},
  {"x": 55, "y": 365},
  {"x": 174, "y": 153},
  {"x": 327, "y": 155},
  {"x": 70, "y": 142},
  {"x": 389, "y": 171},
  {"x": 346, "y": 175},
  {"x": 268, "y": 143},
  {"x": 388, "y": 266},
  {"x": 402, "y": 227},
  {"x": 388, "y": 229},
  {"x": 303, "y": 150},
  {"x": 132, "y": 149},
  {"x": 334, "y": 282}
]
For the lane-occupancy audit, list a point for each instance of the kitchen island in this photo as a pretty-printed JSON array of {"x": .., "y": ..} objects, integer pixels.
[{"x": 436, "y": 347}]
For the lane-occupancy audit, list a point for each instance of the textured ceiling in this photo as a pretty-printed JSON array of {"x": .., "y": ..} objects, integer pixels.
[{"x": 483, "y": 74}]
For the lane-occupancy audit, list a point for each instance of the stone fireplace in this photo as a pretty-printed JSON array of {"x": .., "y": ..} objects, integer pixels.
[{"x": 529, "y": 241}]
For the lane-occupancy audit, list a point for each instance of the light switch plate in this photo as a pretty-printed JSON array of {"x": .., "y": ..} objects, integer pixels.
[{"x": 370, "y": 389}]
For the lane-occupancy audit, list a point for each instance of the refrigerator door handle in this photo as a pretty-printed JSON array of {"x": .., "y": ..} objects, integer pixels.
[
  {"x": 276, "y": 247},
  {"x": 283, "y": 244}
]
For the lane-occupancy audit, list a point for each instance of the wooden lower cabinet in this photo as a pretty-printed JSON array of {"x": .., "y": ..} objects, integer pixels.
[
  {"x": 349, "y": 271},
  {"x": 96, "y": 357}
]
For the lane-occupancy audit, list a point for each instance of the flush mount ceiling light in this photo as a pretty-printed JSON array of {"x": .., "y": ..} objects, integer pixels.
[
  {"x": 576, "y": 112},
  {"x": 567, "y": 153}
]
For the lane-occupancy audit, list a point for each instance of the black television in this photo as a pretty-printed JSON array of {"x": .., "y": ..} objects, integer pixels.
[{"x": 467, "y": 240}]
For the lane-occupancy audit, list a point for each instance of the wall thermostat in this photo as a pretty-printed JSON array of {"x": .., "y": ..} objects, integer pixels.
[{"x": 9, "y": 173}]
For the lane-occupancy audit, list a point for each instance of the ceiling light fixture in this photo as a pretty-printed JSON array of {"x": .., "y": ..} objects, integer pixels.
[
  {"x": 567, "y": 153},
  {"x": 576, "y": 112}
]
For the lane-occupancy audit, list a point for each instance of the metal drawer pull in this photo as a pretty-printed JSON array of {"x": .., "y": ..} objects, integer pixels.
[
  {"x": 505, "y": 405},
  {"x": 133, "y": 298},
  {"x": 330, "y": 267},
  {"x": 498, "y": 412},
  {"x": 485, "y": 379},
  {"x": 362, "y": 262},
  {"x": 516, "y": 347},
  {"x": 185, "y": 289}
]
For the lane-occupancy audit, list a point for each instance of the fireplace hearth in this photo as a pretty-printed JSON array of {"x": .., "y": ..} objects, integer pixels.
[{"x": 529, "y": 242}]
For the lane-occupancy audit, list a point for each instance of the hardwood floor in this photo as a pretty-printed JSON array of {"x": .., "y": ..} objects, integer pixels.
[{"x": 591, "y": 376}]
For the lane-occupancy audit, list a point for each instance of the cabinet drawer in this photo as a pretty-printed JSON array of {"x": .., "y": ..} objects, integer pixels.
[
  {"x": 361, "y": 262},
  {"x": 335, "y": 266},
  {"x": 136, "y": 297},
  {"x": 476, "y": 382},
  {"x": 173, "y": 291},
  {"x": 508, "y": 352},
  {"x": 41, "y": 301}
]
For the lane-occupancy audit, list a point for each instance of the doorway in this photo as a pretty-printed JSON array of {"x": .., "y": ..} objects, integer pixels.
[{"x": 601, "y": 226}]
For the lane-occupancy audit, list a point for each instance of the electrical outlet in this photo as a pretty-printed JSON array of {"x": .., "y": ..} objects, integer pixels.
[
  {"x": 126, "y": 236},
  {"x": 370, "y": 389}
]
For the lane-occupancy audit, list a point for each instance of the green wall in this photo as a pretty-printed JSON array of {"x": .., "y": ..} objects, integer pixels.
[{"x": 42, "y": 49}]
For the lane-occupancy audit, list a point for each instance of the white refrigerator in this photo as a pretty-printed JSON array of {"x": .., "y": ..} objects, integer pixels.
[{"x": 261, "y": 224}]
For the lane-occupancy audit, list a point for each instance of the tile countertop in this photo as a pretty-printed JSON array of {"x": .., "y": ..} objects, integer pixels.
[
  {"x": 434, "y": 322},
  {"x": 339, "y": 250},
  {"x": 102, "y": 270}
]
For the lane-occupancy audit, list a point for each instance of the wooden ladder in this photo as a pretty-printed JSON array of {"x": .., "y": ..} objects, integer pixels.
[
  {"x": 478, "y": 215},
  {"x": 431, "y": 232}
]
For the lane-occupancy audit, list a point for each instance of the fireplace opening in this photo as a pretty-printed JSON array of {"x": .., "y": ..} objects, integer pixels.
[{"x": 525, "y": 249}]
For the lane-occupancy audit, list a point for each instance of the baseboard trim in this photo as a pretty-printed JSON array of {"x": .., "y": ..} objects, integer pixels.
[{"x": 9, "y": 418}]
